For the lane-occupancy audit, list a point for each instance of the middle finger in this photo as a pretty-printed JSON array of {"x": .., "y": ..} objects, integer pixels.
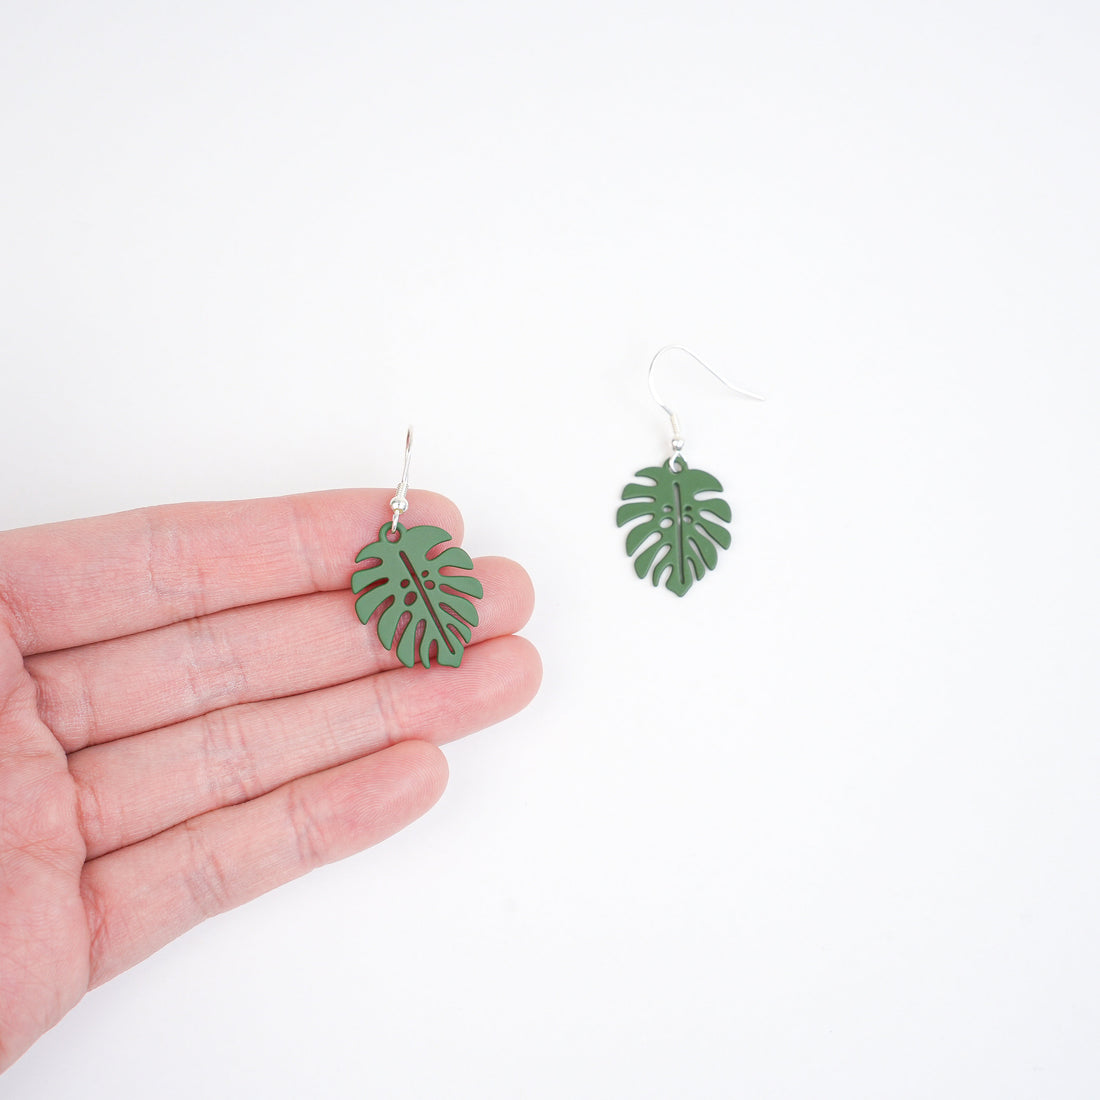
[
  {"x": 106, "y": 690},
  {"x": 130, "y": 789}
]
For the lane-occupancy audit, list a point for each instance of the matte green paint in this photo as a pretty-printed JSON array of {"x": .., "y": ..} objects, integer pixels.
[
  {"x": 415, "y": 592},
  {"x": 688, "y": 528}
]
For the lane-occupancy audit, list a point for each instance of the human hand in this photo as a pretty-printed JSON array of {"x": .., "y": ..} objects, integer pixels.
[{"x": 192, "y": 714}]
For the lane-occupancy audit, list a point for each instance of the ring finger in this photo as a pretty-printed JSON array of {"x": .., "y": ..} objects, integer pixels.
[{"x": 133, "y": 788}]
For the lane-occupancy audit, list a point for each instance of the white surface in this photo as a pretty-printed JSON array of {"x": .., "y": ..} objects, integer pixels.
[{"x": 825, "y": 828}]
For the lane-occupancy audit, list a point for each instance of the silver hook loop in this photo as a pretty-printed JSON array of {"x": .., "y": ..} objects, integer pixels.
[
  {"x": 399, "y": 504},
  {"x": 677, "y": 433}
]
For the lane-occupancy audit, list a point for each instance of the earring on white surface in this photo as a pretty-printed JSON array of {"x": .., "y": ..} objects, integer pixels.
[{"x": 682, "y": 522}]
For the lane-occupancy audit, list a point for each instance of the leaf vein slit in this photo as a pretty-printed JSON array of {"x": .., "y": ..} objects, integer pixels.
[{"x": 427, "y": 603}]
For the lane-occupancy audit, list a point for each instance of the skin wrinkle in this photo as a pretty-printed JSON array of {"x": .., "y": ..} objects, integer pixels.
[
  {"x": 46, "y": 695},
  {"x": 216, "y": 674},
  {"x": 330, "y": 736},
  {"x": 168, "y": 580},
  {"x": 305, "y": 551},
  {"x": 208, "y": 881},
  {"x": 98, "y": 927},
  {"x": 295, "y": 516},
  {"x": 384, "y": 701},
  {"x": 12, "y": 692},
  {"x": 21, "y": 695},
  {"x": 81, "y": 719},
  {"x": 168, "y": 550},
  {"x": 45, "y": 796},
  {"x": 233, "y": 776},
  {"x": 89, "y": 811},
  {"x": 85, "y": 706},
  {"x": 310, "y": 836},
  {"x": 12, "y": 613},
  {"x": 198, "y": 636},
  {"x": 32, "y": 852},
  {"x": 148, "y": 520}
]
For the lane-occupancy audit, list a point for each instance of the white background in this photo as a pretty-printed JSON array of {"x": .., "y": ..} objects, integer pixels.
[{"x": 827, "y": 827}]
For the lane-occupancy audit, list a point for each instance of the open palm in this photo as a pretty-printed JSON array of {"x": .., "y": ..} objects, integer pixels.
[{"x": 191, "y": 714}]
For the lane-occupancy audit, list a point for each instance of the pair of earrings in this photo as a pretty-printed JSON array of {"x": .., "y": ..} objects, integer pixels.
[{"x": 427, "y": 613}]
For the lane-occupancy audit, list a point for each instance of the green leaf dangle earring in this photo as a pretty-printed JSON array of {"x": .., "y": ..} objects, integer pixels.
[
  {"x": 425, "y": 611},
  {"x": 682, "y": 521}
]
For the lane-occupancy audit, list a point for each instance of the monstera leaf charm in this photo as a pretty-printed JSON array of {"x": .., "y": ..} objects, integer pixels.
[
  {"x": 425, "y": 611},
  {"x": 681, "y": 530}
]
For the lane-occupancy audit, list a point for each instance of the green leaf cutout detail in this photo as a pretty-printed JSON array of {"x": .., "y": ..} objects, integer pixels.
[
  {"x": 681, "y": 530},
  {"x": 415, "y": 595}
]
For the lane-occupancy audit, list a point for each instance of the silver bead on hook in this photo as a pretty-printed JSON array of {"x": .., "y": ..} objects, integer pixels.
[{"x": 399, "y": 504}]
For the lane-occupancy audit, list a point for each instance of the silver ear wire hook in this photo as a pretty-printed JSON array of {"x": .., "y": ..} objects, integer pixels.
[
  {"x": 399, "y": 504},
  {"x": 677, "y": 434}
]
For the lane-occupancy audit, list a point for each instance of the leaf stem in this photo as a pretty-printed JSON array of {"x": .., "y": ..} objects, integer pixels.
[{"x": 679, "y": 526}]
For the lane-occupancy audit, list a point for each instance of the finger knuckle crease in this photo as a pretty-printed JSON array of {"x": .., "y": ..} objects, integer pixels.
[
  {"x": 231, "y": 769},
  {"x": 309, "y": 833},
  {"x": 209, "y": 880}
]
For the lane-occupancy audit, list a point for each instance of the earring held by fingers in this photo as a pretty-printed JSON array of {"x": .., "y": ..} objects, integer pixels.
[
  {"x": 424, "y": 611},
  {"x": 683, "y": 522}
]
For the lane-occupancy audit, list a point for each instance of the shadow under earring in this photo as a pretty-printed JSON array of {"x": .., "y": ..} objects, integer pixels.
[
  {"x": 682, "y": 520},
  {"x": 425, "y": 612}
]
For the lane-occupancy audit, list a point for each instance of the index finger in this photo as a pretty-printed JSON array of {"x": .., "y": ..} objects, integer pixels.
[{"x": 67, "y": 584}]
